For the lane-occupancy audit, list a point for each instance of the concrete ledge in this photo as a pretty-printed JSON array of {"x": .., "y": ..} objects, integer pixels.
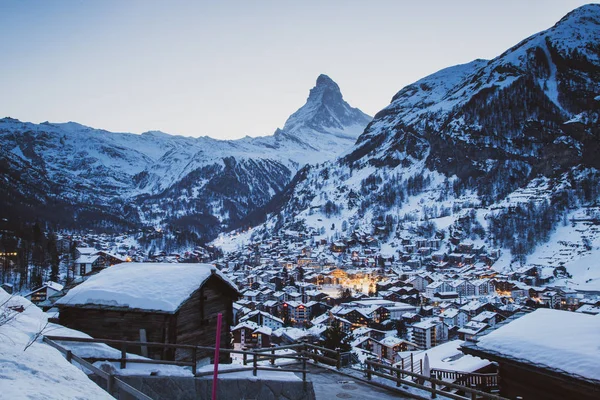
[{"x": 187, "y": 388}]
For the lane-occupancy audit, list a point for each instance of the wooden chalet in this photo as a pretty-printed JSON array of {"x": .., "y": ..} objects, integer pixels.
[
  {"x": 85, "y": 264},
  {"x": 547, "y": 354},
  {"x": 248, "y": 334},
  {"x": 389, "y": 347},
  {"x": 153, "y": 302},
  {"x": 42, "y": 294}
]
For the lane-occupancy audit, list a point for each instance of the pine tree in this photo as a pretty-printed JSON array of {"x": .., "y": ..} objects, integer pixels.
[
  {"x": 401, "y": 328},
  {"x": 336, "y": 338}
]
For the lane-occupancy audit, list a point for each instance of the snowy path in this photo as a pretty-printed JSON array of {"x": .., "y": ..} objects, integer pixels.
[{"x": 329, "y": 385}]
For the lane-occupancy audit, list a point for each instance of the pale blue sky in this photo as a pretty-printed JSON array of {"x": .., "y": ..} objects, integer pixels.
[{"x": 230, "y": 68}]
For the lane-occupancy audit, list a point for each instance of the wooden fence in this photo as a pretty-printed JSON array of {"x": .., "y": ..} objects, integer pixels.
[
  {"x": 408, "y": 363},
  {"x": 430, "y": 384},
  {"x": 113, "y": 383},
  {"x": 480, "y": 381},
  {"x": 304, "y": 352}
]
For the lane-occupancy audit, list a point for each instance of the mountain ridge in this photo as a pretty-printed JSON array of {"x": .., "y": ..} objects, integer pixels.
[
  {"x": 454, "y": 146},
  {"x": 187, "y": 175}
]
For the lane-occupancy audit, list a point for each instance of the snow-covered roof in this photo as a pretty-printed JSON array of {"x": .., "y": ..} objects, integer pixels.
[
  {"x": 484, "y": 315},
  {"x": 117, "y": 256},
  {"x": 292, "y": 333},
  {"x": 473, "y": 327},
  {"x": 427, "y": 324},
  {"x": 86, "y": 250},
  {"x": 321, "y": 318},
  {"x": 448, "y": 356},
  {"x": 54, "y": 286},
  {"x": 588, "y": 309},
  {"x": 392, "y": 341},
  {"x": 264, "y": 314},
  {"x": 265, "y": 330},
  {"x": 246, "y": 324},
  {"x": 558, "y": 340},
  {"x": 145, "y": 286},
  {"x": 472, "y": 306},
  {"x": 449, "y": 313},
  {"x": 86, "y": 259}
]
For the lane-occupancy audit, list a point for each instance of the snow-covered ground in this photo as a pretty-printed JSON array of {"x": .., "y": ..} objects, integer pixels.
[
  {"x": 247, "y": 375},
  {"x": 449, "y": 357},
  {"x": 31, "y": 369},
  {"x": 40, "y": 371},
  {"x": 576, "y": 246}
]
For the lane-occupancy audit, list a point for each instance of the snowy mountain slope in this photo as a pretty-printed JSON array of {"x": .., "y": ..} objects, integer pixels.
[
  {"x": 450, "y": 149},
  {"x": 167, "y": 177},
  {"x": 555, "y": 76}
]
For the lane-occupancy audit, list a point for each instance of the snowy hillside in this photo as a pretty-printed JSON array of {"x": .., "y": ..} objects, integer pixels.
[
  {"x": 40, "y": 371},
  {"x": 155, "y": 178},
  {"x": 495, "y": 152}
]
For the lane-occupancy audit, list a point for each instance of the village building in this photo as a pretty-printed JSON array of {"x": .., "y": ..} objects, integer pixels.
[
  {"x": 547, "y": 354},
  {"x": 249, "y": 335},
  {"x": 262, "y": 318},
  {"x": 164, "y": 303},
  {"x": 429, "y": 333},
  {"x": 85, "y": 264},
  {"x": 295, "y": 311},
  {"x": 43, "y": 294},
  {"x": 389, "y": 347},
  {"x": 471, "y": 329}
]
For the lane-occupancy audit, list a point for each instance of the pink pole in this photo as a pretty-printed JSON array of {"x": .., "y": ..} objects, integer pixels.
[{"x": 217, "y": 346}]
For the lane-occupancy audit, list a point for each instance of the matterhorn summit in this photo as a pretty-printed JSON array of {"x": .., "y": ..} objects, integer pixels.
[{"x": 326, "y": 112}]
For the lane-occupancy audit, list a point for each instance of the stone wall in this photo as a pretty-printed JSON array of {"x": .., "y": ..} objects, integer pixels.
[{"x": 187, "y": 388}]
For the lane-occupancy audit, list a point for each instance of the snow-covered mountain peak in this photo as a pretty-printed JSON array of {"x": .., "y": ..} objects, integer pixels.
[
  {"x": 326, "y": 111},
  {"x": 589, "y": 13},
  {"x": 154, "y": 177},
  {"x": 324, "y": 84}
]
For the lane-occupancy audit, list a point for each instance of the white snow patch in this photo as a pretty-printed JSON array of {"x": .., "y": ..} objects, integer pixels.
[{"x": 40, "y": 372}]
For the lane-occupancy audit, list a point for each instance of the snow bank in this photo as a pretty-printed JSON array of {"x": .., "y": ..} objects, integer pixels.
[
  {"x": 558, "y": 340},
  {"x": 146, "y": 286},
  {"x": 449, "y": 356},
  {"x": 40, "y": 372},
  {"x": 247, "y": 375}
]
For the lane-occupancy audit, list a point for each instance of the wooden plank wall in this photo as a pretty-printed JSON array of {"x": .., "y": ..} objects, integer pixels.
[
  {"x": 194, "y": 323},
  {"x": 515, "y": 381},
  {"x": 119, "y": 325},
  {"x": 197, "y": 317}
]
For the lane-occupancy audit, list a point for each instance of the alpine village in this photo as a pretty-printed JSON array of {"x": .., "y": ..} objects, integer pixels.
[{"x": 447, "y": 247}]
